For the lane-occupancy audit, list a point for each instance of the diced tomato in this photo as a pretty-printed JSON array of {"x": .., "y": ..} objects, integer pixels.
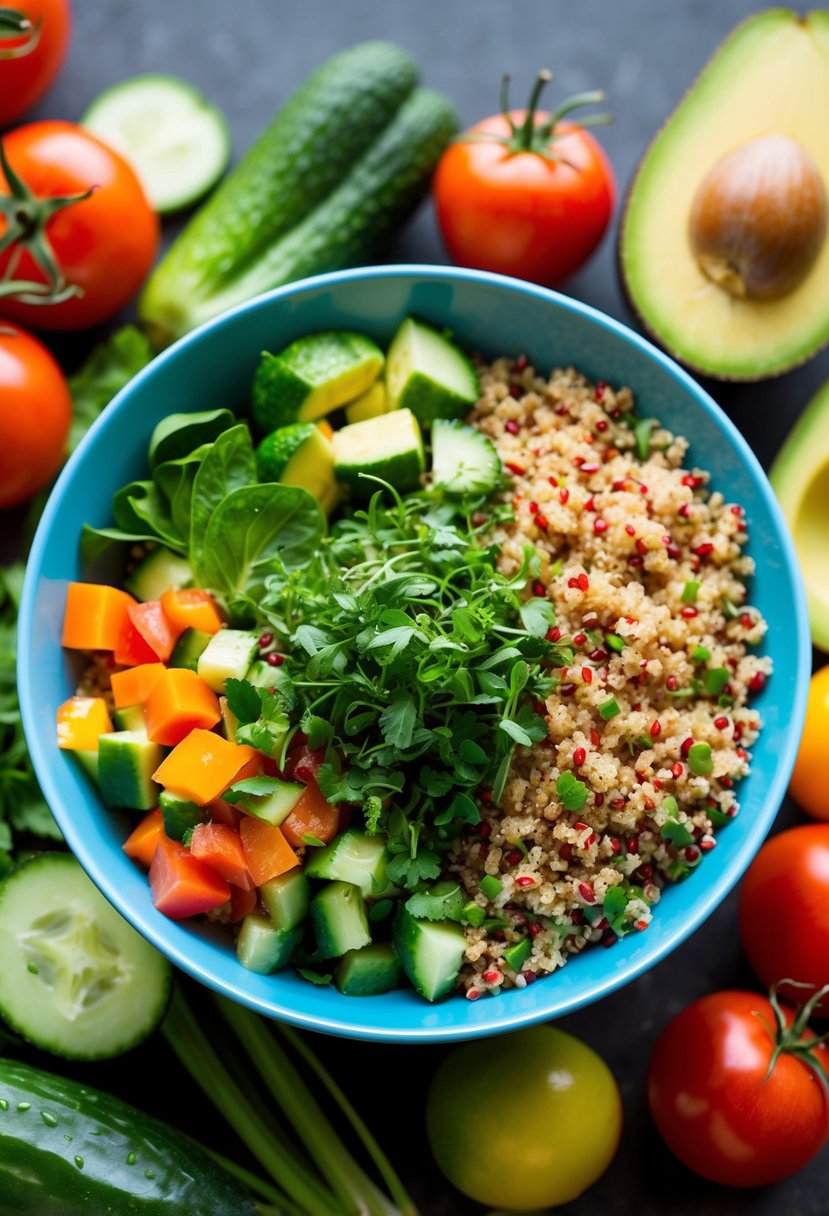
[
  {"x": 142, "y": 842},
  {"x": 182, "y": 885},
  {"x": 221, "y": 847},
  {"x": 304, "y": 763},
  {"x": 241, "y": 903},
  {"x": 151, "y": 622},
  {"x": 131, "y": 650},
  {"x": 267, "y": 852},
  {"x": 312, "y": 816}
]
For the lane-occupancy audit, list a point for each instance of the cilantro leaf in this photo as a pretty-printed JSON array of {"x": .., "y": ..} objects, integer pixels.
[
  {"x": 537, "y": 616},
  {"x": 571, "y": 791},
  {"x": 443, "y": 901},
  {"x": 258, "y": 787},
  {"x": 397, "y": 721},
  {"x": 242, "y": 700}
]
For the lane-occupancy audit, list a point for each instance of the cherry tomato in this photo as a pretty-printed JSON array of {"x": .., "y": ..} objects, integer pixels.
[
  {"x": 529, "y": 202},
  {"x": 103, "y": 245},
  {"x": 713, "y": 1104},
  {"x": 35, "y": 413},
  {"x": 809, "y": 786},
  {"x": 784, "y": 909},
  {"x": 525, "y": 1121},
  {"x": 30, "y": 58}
]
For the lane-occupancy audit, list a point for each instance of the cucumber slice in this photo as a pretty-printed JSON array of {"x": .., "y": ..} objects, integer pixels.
[
  {"x": 126, "y": 763},
  {"x": 431, "y": 953},
  {"x": 313, "y": 376},
  {"x": 353, "y": 857},
  {"x": 369, "y": 971},
  {"x": 427, "y": 374},
  {"x": 389, "y": 447},
  {"x": 262, "y": 947},
  {"x": 177, "y": 142},
  {"x": 131, "y": 718},
  {"x": 339, "y": 918},
  {"x": 371, "y": 405},
  {"x": 300, "y": 455},
  {"x": 228, "y": 655},
  {"x": 157, "y": 573},
  {"x": 189, "y": 649},
  {"x": 75, "y": 978},
  {"x": 287, "y": 899},
  {"x": 180, "y": 814},
  {"x": 88, "y": 762},
  {"x": 463, "y": 460},
  {"x": 273, "y": 808}
]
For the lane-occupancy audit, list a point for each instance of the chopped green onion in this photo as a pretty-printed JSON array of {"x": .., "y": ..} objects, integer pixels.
[
  {"x": 717, "y": 817},
  {"x": 642, "y": 428},
  {"x": 614, "y": 642},
  {"x": 556, "y": 568},
  {"x": 691, "y": 691},
  {"x": 728, "y": 609},
  {"x": 700, "y": 760},
  {"x": 700, "y": 654},
  {"x": 474, "y": 914},
  {"x": 490, "y": 886},
  {"x": 609, "y": 709},
  {"x": 690, "y": 592},
  {"x": 716, "y": 679},
  {"x": 515, "y": 956}
]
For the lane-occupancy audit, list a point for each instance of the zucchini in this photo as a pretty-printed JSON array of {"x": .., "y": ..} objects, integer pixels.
[
  {"x": 66, "y": 1148},
  {"x": 344, "y": 162}
]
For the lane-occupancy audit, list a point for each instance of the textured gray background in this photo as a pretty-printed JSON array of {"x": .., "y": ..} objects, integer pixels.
[{"x": 248, "y": 56}]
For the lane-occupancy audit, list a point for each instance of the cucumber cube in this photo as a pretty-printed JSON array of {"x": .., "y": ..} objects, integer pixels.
[
  {"x": 228, "y": 655},
  {"x": 353, "y": 857},
  {"x": 339, "y": 918},
  {"x": 262, "y": 947},
  {"x": 126, "y": 763},
  {"x": 180, "y": 815},
  {"x": 273, "y": 808},
  {"x": 389, "y": 447},
  {"x": 88, "y": 762},
  {"x": 431, "y": 953},
  {"x": 157, "y": 573},
  {"x": 189, "y": 648},
  {"x": 427, "y": 374},
  {"x": 313, "y": 376},
  {"x": 131, "y": 718},
  {"x": 369, "y": 971},
  {"x": 287, "y": 899}
]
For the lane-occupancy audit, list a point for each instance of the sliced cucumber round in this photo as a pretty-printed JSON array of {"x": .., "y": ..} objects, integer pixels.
[
  {"x": 177, "y": 142},
  {"x": 75, "y": 979},
  {"x": 464, "y": 461}
]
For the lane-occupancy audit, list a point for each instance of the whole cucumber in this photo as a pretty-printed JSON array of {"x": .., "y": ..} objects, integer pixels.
[
  {"x": 66, "y": 1149},
  {"x": 356, "y": 143}
]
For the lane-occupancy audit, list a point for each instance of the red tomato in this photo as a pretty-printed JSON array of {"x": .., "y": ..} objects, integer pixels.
[
  {"x": 784, "y": 910},
  {"x": 152, "y": 624},
  {"x": 103, "y": 245},
  {"x": 712, "y": 1103},
  {"x": 181, "y": 884},
  {"x": 221, "y": 847},
  {"x": 35, "y": 413},
  {"x": 533, "y": 207},
  {"x": 304, "y": 763},
  {"x": 30, "y": 61}
]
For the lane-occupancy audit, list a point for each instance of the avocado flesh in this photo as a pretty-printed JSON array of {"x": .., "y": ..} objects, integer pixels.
[
  {"x": 800, "y": 478},
  {"x": 770, "y": 76}
]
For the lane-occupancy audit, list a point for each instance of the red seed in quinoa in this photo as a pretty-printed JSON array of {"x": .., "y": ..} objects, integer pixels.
[
  {"x": 641, "y": 925},
  {"x": 721, "y": 723},
  {"x": 486, "y": 795},
  {"x": 590, "y": 468},
  {"x": 598, "y": 655},
  {"x": 656, "y": 728},
  {"x": 533, "y": 508},
  {"x": 641, "y": 547},
  {"x": 584, "y": 585},
  {"x": 645, "y": 872},
  {"x": 689, "y": 612},
  {"x": 609, "y": 938},
  {"x": 513, "y": 857},
  {"x": 590, "y": 505},
  {"x": 492, "y": 976},
  {"x": 685, "y": 510},
  {"x": 542, "y": 522},
  {"x": 686, "y": 745},
  {"x": 538, "y": 588},
  {"x": 704, "y": 549},
  {"x": 600, "y": 525},
  {"x": 275, "y": 660},
  {"x": 486, "y": 830},
  {"x": 677, "y": 770},
  {"x": 601, "y": 425},
  {"x": 587, "y": 893},
  {"x": 629, "y": 528},
  {"x": 671, "y": 683},
  {"x": 615, "y": 844},
  {"x": 525, "y": 880},
  {"x": 472, "y": 994},
  {"x": 520, "y": 363},
  {"x": 579, "y": 639},
  {"x": 757, "y": 682},
  {"x": 517, "y": 470},
  {"x": 511, "y": 426},
  {"x": 579, "y": 757},
  {"x": 516, "y": 391},
  {"x": 632, "y": 843},
  {"x": 595, "y": 738},
  {"x": 598, "y": 799},
  {"x": 563, "y": 496}
]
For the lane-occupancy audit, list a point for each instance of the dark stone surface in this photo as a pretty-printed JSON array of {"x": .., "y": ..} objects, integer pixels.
[{"x": 248, "y": 56}]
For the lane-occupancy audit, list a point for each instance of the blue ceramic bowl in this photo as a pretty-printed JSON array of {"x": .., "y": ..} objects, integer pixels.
[{"x": 213, "y": 367}]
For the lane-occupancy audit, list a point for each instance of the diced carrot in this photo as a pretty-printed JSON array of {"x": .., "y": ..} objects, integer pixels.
[
  {"x": 311, "y": 816},
  {"x": 221, "y": 847},
  {"x": 133, "y": 687},
  {"x": 142, "y": 842},
  {"x": 131, "y": 650},
  {"x": 252, "y": 768},
  {"x": 202, "y": 766},
  {"x": 191, "y": 608},
  {"x": 150, "y": 621},
  {"x": 241, "y": 903},
  {"x": 95, "y": 616},
  {"x": 81, "y": 722},
  {"x": 267, "y": 852},
  {"x": 180, "y": 702},
  {"x": 181, "y": 884}
]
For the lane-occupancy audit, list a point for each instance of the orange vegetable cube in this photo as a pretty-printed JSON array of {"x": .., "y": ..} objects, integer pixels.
[
  {"x": 181, "y": 884},
  {"x": 221, "y": 847},
  {"x": 95, "y": 616},
  {"x": 311, "y": 816},
  {"x": 133, "y": 687},
  {"x": 81, "y": 722},
  {"x": 191, "y": 609},
  {"x": 180, "y": 702},
  {"x": 142, "y": 842},
  {"x": 267, "y": 852},
  {"x": 152, "y": 624},
  {"x": 202, "y": 766}
]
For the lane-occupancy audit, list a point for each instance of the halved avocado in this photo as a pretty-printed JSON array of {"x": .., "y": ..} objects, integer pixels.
[
  {"x": 800, "y": 477},
  {"x": 769, "y": 78}
]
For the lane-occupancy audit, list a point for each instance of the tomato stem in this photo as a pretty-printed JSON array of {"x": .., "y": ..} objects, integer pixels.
[
  {"x": 13, "y": 26},
  {"x": 789, "y": 1040},
  {"x": 525, "y": 139}
]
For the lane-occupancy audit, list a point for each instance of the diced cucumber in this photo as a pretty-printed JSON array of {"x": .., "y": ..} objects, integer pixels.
[
  {"x": 228, "y": 655},
  {"x": 431, "y": 953},
  {"x": 313, "y": 376},
  {"x": 262, "y": 947},
  {"x": 158, "y": 572},
  {"x": 75, "y": 978},
  {"x": 427, "y": 374},
  {"x": 287, "y": 899},
  {"x": 273, "y": 808},
  {"x": 126, "y": 763},
  {"x": 180, "y": 814},
  {"x": 369, "y": 971},
  {"x": 189, "y": 649},
  {"x": 371, "y": 405},
  {"x": 389, "y": 446},
  {"x": 464, "y": 461},
  {"x": 300, "y": 455},
  {"x": 88, "y": 762},
  {"x": 339, "y": 918},
  {"x": 177, "y": 142},
  {"x": 230, "y": 723},
  {"x": 353, "y": 857},
  {"x": 261, "y": 675},
  {"x": 131, "y": 718}
]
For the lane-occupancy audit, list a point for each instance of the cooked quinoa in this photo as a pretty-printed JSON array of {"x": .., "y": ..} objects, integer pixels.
[{"x": 644, "y": 565}]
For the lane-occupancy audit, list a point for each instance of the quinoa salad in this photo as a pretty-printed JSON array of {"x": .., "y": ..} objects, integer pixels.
[{"x": 646, "y": 568}]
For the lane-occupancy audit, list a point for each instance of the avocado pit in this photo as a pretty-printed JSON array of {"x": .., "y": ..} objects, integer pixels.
[{"x": 758, "y": 219}]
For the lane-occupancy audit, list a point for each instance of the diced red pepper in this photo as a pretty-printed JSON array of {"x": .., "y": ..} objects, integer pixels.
[
  {"x": 221, "y": 847},
  {"x": 182, "y": 885}
]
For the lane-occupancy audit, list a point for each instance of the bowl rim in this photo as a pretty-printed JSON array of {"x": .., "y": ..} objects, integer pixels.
[{"x": 710, "y": 896}]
